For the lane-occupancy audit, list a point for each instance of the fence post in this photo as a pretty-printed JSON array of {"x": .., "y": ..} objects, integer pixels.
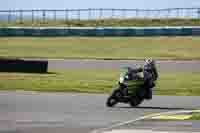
[
  {"x": 136, "y": 13},
  {"x": 79, "y": 14},
  {"x": 177, "y": 11},
  {"x": 147, "y": 14},
  {"x": 123, "y": 13},
  {"x": 100, "y": 13},
  {"x": 66, "y": 16},
  {"x": 198, "y": 13},
  {"x": 32, "y": 16},
  {"x": 112, "y": 13},
  {"x": 89, "y": 13},
  {"x": 55, "y": 17},
  {"x": 159, "y": 14},
  {"x": 168, "y": 16},
  {"x": 21, "y": 16},
  {"x": 168, "y": 13},
  {"x": 188, "y": 13},
  {"x": 9, "y": 16},
  {"x": 43, "y": 16}
]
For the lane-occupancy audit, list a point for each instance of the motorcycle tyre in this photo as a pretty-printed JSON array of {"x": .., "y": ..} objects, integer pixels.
[{"x": 112, "y": 99}]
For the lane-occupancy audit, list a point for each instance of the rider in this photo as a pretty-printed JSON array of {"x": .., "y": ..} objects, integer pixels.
[{"x": 150, "y": 75}]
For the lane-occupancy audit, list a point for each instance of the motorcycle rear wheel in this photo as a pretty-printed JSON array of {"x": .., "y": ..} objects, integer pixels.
[{"x": 135, "y": 101}]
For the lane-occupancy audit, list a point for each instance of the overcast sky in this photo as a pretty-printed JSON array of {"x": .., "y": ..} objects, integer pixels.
[{"x": 75, "y": 4}]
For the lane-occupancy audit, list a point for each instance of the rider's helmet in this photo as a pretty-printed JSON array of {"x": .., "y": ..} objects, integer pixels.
[{"x": 148, "y": 64}]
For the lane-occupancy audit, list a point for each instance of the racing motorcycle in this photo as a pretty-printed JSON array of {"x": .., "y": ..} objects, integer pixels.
[{"x": 130, "y": 88}]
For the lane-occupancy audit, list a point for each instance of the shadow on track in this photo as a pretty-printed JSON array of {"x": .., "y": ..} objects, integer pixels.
[{"x": 160, "y": 108}]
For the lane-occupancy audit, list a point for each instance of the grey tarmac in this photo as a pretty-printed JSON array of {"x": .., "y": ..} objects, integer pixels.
[
  {"x": 163, "y": 65},
  {"x": 33, "y": 112}
]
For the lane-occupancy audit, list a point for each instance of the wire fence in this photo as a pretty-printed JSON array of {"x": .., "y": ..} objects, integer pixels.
[{"x": 43, "y": 16}]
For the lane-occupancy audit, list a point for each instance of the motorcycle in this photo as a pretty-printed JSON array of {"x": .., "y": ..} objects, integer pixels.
[{"x": 130, "y": 89}]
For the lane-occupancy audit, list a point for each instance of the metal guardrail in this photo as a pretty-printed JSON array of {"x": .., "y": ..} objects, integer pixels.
[{"x": 96, "y": 14}]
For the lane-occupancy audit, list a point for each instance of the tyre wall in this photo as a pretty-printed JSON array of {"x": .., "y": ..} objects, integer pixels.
[{"x": 109, "y": 31}]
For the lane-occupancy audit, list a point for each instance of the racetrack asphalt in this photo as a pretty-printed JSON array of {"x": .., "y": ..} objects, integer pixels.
[
  {"x": 26, "y": 112},
  {"x": 32, "y": 112},
  {"x": 163, "y": 66}
]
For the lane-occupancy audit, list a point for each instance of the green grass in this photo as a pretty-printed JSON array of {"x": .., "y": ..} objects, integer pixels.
[
  {"x": 95, "y": 82},
  {"x": 101, "y": 48},
  {"x": 195, "y": 116},
  {"x": 106, "y": 23}
]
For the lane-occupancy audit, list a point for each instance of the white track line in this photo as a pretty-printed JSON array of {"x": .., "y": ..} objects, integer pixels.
[{"x": 142, "y": 118}]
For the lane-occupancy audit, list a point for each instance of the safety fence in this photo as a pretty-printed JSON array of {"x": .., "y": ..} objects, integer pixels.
[{"x": 43, "y": 16}]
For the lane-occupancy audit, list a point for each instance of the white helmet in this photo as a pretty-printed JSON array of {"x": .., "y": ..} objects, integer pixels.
[
  {"x": 148, "y": 61},
  {"x": 148, "y": 64}
]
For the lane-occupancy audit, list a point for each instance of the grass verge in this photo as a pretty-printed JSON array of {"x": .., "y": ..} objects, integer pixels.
[
  {"x": 195, "y": 116},
  {"x": 101, "y": 48},
  {"x": 95, "y": 82}
]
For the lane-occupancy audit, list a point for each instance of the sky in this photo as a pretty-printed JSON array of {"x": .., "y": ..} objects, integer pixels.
[{"x": 76, "y": 4}]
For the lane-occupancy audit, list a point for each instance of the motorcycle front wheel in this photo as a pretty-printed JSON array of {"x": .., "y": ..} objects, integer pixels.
[
  {"x": 111, "y": 102},
  {"x": 112, "y": 99}
]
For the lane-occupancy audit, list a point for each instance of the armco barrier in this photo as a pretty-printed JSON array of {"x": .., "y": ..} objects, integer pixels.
[
  {"x": 107, "y": 31},
  {"x": 27, "y": 66}
]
